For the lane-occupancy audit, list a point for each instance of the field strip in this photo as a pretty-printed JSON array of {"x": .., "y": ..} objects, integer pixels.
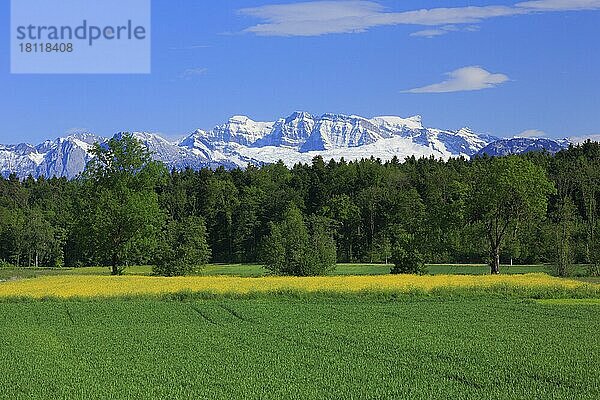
[
  {"x": 85, "y": 286},
  {"x": 570, "y": 302}
]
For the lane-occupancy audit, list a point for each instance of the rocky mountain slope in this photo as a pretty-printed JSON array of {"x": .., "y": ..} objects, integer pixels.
[
  {"x": 296, "y": 138},
  {"x": 505, "y": 147}
]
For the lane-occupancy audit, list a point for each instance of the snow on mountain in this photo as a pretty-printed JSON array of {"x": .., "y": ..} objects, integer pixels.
[
  {"x": 521, "y": 145},
  {"x": 19, "y": 158},
  {"x": 240, "y": 129},
  {"x": 198, "y": 143},
  {"x": 297, "y": 138},
  {"x": 290, "y": 132},
  {"x": 172, "y": 154},
  {"x": 65, "y": 156},
  {"x": 583, "y": 139},
  {"x": 392, "y": 123},
  {"x": 384, "y": 149},
  {"x": 334, "y": 131},
  {"x": 301, "y": 136}
]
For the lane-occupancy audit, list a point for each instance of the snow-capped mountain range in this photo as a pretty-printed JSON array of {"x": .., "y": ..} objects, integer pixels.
[
  {"x": 518, "y": 145},
  {"x": 297, "y": 138}
]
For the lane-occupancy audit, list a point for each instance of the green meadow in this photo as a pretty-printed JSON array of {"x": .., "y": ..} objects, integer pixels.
[{"x": 292, "y": 348}]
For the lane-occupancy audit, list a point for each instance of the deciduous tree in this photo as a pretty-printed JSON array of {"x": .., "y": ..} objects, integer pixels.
[
  {"x": 504, "y": 192},
  {"x": 293, "y": 249},
  {"x": 124, "y": 214},
  {"x": 183, "y": 247}
]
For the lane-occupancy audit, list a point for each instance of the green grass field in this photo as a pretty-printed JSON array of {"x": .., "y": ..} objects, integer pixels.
[
  {"x": 259, "y": 270},
  {"x": 299, "y": 349}
]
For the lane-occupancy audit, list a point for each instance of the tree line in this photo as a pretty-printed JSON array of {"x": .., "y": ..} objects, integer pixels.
[{"x": 127, "y": 209}]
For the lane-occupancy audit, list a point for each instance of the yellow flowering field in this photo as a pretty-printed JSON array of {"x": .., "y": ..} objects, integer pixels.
[{"x": 107, "y": 286}]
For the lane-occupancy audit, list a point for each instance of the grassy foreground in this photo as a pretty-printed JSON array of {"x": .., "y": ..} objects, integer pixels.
[
  {"x": 276, "y": 348},
  {"x": 77, "y": 286},
  {"x": 235, "y": 336}
]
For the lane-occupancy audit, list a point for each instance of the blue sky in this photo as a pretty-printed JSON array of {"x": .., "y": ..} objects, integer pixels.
[{"x": 498, "y": 67}]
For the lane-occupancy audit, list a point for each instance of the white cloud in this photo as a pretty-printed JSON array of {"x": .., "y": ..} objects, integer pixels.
[
  {"x": 443, "y": 30},
  {"x": 429, "y": 33},
  {"x": 531, "y": 133},
  {"x": 472, "y": 28},
  {"x": 464, "y": 79},
  {"x": 193, "y": 72},
  {"x": 316, "y": 18},
  {"x": 560, "y": 5}
]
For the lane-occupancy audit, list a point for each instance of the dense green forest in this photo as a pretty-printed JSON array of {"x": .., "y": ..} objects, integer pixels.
[{"x": 126, "y": 209}]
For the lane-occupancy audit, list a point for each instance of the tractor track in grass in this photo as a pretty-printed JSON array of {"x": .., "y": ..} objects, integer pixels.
[
  {"x": 552, "y": 381},
  {"x": 457, "y": 378},
  {"x": 204, "y": 316},
  {"x": 68, "y": 311},
  {"x": 235, "y": 313}
]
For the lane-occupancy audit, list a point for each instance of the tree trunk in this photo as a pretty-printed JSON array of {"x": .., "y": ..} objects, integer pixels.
[
  {"x": 495, "y": 263},
  {"x": 350, "y": 252},
  {"x": 115, "y": 269}
]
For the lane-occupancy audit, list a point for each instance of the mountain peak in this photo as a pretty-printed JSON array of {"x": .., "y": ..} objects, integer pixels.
[
  {"x": 240, "y": 129},
  {"x": 296, "y": 138},
  {"x": 299, "y": 115},
  {"x": 415, "y": 122},
  {"x": 150, "y": 137},
  {"x": 466, "y": 131},
  {"x": 240, "y": 119},
  {"x": 84, "y": 136}
]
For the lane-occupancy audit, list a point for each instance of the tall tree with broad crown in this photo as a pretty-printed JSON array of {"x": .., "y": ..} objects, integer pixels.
[
  {"x": 124, "y": 213},
  {"x": 505, "y": 191}
]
